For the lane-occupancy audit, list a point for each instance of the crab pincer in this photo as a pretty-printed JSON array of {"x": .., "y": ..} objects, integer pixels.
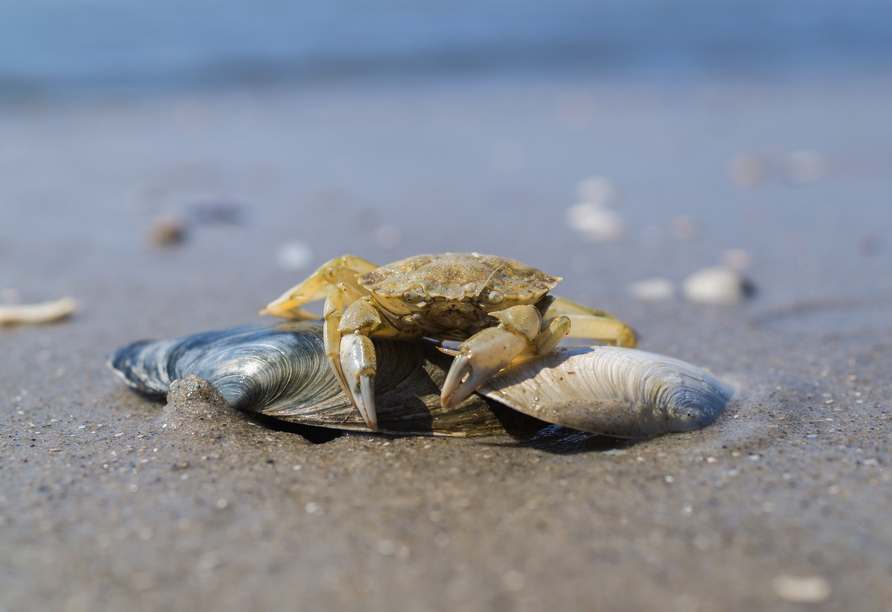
[
  {"x": 358, "y": 363},
  {"x": 355, "y": 362},
  {"x": 490, "y": 350}
]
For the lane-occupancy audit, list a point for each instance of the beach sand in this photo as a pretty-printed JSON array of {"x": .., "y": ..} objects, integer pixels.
[{"x": 783, "y": 500}]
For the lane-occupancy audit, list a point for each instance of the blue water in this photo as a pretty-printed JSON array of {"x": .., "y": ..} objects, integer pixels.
[{"x": 78, "y": 47}]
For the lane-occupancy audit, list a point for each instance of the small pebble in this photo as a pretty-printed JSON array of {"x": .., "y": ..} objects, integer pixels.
[
  {"x": 653, "y": 289},
  {"x": 295, "y": 255},
  {"x": 168, "y": 231},
  {"x": 746, "y": 170},
  {"x": 719, "y": 285},
  {"x": 802, "y": 589},
  {"x": 598, "y": 224}
]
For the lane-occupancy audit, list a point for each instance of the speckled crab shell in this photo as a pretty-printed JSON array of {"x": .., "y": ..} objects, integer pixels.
[{"x": 498, "y": 281}]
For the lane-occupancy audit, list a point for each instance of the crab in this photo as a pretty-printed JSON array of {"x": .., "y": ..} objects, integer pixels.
[{"x": 499, "y": 309}]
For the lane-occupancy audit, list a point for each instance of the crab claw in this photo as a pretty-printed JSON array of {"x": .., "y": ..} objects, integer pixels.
[
  {"x": 479, "y": 357},
  {"x": 490, "y": 350},
  {"x": 358, "y": 364}
]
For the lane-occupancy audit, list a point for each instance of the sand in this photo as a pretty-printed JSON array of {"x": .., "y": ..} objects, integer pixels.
[{"x": 783, "y": 500}]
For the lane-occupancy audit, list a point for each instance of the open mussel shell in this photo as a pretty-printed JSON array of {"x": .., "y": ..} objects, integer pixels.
[
  {"x": 280, "y": 370},
  {"x": 613, "y": 391}
]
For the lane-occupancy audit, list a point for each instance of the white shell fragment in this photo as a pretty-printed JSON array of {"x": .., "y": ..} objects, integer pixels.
[
  {"x": 43, "y": 312},
  {"x": 597, "y": 223},
  {"x": 802, "y": 589},
  {"x": 613, "y": 391},
  {"x": 720, "y": 285}
]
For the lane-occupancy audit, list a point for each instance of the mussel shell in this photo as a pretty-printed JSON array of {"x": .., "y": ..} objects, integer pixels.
[
  {"x": 280, "y": 370},
  {"x": 613, "y": 391}
]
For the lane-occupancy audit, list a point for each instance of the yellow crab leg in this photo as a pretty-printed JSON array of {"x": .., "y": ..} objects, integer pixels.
[
  {"x": 563, "y": 306},
  {"x": 331, "y": 337},
  {"x": 551, "y": 336},
  {"x": 607, "y": 330},
  {"x": 318, "y": 285},
  {"x": 356, "y": 352},
  {"x": 592, "y": 323}
]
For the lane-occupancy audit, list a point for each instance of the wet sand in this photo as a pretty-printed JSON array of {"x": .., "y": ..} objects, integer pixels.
[{"x": 784, "y": 498}]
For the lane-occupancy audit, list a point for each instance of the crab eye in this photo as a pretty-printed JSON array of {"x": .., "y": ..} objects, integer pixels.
[
  {"x": 494, "y": 296},
  {"x": 414, "y": 295}
]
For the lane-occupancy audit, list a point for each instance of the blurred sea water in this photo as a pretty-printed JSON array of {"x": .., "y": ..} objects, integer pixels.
[{"x": 67, "y": 48}]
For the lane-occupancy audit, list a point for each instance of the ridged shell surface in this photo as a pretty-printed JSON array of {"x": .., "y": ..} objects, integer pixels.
[
  {"x": 613, "y": 391},
  {"x": 280, "y": 370}
]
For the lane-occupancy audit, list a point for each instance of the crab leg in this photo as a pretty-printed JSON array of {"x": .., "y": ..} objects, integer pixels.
[
  {"x": 488, "y": 351},
  {"x": 331, "y": 337},
  {"x": 357, "y": 357},
  {"x": 593, "y": 323},
  {"x": 318, "y": 285},
  {"x": 563, "y": 306},
  {"x": 548, "y": 340},
  {"x": 545, "y": 342},
  {"x": 609, "y": 331},
  {"x": 358, "y": 362}
]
